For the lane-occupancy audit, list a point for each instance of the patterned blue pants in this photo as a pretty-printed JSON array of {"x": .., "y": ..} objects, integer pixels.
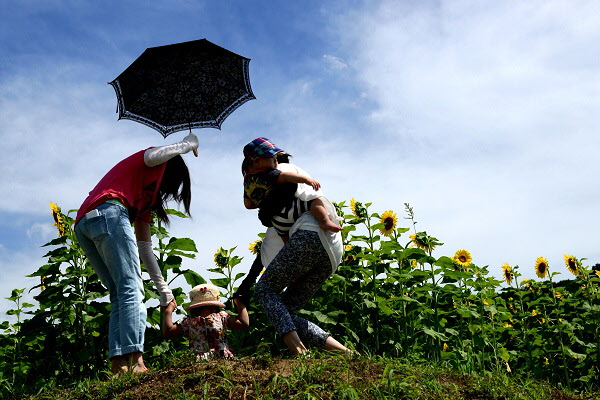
[{"x": 301, "y": 268}]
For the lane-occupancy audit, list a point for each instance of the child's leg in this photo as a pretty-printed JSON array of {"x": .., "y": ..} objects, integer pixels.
[{"x": 318, "y": 210}]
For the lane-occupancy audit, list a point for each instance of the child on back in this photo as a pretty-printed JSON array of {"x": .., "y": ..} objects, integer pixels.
[
  {"x": 274, "y": 191},
  {"x": 207, "y": 324}
]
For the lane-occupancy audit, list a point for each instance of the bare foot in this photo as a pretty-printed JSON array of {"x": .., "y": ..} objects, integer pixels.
[
  {"x": 293, "y": 342},
  {"x": 329, "y": 225},
  {"x": 132, "y": 362},
  {"x": 140, "y": 369}
]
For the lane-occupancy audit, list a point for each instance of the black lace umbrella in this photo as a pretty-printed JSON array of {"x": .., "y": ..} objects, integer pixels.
[{"x": 182, "y": 86}]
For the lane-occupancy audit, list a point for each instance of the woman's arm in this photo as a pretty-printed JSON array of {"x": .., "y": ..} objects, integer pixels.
[
  {"x": 159, "y": 155},
  {"x": 144, "y": 243},
  {"x": 243, "y": 320},
  {"x": 297, "y": 178},
  {"x": 142, "y": 230}
]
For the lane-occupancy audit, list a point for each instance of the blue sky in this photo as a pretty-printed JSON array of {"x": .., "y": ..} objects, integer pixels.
[{"x": 482, "y": 115}]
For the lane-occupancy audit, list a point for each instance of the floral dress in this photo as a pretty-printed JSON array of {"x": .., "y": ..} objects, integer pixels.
[{"x": 208, "y": 335}]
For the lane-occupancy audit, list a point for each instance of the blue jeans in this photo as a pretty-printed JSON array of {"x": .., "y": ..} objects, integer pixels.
[{"x": 109, "y": 243}]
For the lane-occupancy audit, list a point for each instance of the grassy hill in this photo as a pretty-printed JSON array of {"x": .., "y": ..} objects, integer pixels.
[{"x": 318, "y": 377}]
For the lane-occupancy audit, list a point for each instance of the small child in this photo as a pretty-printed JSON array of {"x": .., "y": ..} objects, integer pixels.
[
  {"x": 206, "y": 326},
  {"x": 274, "y": 191}
]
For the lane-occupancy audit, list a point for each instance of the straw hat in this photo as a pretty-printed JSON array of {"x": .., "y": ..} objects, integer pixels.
[{"x": 205, "y": 295}]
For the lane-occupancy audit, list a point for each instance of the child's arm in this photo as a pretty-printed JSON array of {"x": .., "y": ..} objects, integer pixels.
[
  {"x": 243, "y": 320},
  {"x": 297, "y": 178},
  {"x": 170, "y": 330},
  {"x": 249, "y": 203}
]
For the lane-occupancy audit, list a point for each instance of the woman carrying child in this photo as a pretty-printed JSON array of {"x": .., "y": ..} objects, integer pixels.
[
  {"x": 275, "y": 192},
  {"x": 207, "y": 325},
  {"x": 310, "y": 255}
]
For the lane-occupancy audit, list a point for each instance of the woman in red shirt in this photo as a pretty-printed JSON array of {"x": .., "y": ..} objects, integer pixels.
[{"x": 127, "y": 195}]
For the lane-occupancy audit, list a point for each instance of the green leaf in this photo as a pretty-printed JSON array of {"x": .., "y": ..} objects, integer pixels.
[
  {"x": 193, "y": 278},
  {"x": 323, "y": 318},
  {"x": 221, "y": 282},
  {"x": 434, "y": 334},
  {"x": 177, "y": 213},
  {"x": 183, "y": 244},
  {"x": 579, "y": 357},
  {"x": 451, "y": 331},
  {"x": 57, "y": 241},
  {"x": 238, "y": 276},
  {"x": 503, "y": 354},
  {"x": 369, "y": 303}
]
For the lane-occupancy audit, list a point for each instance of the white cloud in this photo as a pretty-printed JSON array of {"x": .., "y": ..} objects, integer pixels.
[
  {"x": 487, "y": 119},
  {"x": 14, "y": 267},
  {"x": 335, "y": 63},
  {"x": 41, "y": 233}
]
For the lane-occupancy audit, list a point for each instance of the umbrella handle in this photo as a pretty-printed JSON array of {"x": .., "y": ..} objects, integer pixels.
[{"x": 195, "y": 152}]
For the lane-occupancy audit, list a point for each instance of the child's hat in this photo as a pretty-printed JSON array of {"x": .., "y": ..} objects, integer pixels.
[
  {"x": 205, "y": 295},
  {"x": 262, "y": 148}
]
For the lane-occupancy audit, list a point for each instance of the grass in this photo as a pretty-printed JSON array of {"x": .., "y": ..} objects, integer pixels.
[{"x": 320, "y": 377}]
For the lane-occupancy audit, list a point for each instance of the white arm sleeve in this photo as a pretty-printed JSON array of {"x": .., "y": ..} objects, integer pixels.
[
  {"x": 158, "y": 155},
  {"x": 147, "y": 257}
]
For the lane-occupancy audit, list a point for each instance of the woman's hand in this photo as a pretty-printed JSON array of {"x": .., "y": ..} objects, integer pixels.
[{"x": 171, "y": 307}]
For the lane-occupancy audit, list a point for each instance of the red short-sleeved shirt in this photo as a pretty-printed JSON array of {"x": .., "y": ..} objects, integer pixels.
[{"x": 131, "y": 182}]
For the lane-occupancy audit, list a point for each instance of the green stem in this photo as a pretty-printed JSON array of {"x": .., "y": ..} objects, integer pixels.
[{"x": 375, "y": 312}]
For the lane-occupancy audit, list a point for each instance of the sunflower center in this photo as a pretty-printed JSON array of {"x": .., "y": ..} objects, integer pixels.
[
  {"x": 572, "y": 264},
  {"x": 462, "y": 258},
  {"x": 388, "y": 223},
  {"x": 542, "y": 267}
]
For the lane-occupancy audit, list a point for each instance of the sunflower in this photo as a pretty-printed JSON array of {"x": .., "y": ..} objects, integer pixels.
[
  {"x": 220, "y": 258},
  {"x": 353, "y": 206},
  {"x": 422, "y": 241},
  {"x": 571, "y": 263},
  {"x": 463, "y": 257},
  {"x": 348, "y": 247},
  {"x": 58, "y": 221},
  {"x": 255, "y": 246},
  {"x": 358, "y": 209},
  {"x": 508, "y": 273},
  {"x": 597, "y": 272},
  {"x": 389, "y": 221},
  {"x": 541, "y": 267}
]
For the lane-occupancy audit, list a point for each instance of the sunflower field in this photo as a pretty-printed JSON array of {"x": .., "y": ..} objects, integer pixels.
[{"x": 390, "y": 296}]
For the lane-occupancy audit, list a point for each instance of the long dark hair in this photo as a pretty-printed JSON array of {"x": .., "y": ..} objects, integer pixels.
[{"x": 176, "y": 186}]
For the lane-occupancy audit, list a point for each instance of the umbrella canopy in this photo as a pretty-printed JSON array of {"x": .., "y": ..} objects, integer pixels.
[{"x": 181, "y": 86}]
